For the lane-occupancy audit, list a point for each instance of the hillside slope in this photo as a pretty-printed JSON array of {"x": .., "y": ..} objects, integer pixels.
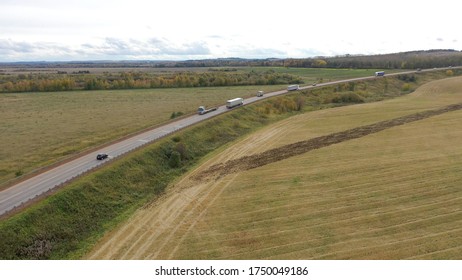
[{"x": 393, "y": 193}]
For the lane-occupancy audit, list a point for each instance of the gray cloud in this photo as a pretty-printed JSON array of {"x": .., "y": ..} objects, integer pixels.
[
  {"x": 163, "y": 46},
  {"x": 8, "y": 47},
  {"x": 151, "y": 47},
  {"x": 12, "y": 49},
  {"x": 256, "y": 52},
  {"x": 109, "y": 48}
]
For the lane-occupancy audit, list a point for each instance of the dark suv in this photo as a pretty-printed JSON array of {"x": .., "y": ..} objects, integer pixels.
[{"x": 101, "y": 156}]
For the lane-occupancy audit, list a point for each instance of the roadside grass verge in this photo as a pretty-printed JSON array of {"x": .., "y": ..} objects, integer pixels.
[{"x": 67, "y": 224}]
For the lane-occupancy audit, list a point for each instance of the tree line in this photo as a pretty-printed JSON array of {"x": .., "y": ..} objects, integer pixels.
[
  {"x": 139, "y": 80},
  {"x": 402, "y": 60},
  {"x": 406, "y": 60}
]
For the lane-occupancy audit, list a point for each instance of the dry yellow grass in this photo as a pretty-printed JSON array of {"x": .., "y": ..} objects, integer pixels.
[{"x": 395, "y": 194}]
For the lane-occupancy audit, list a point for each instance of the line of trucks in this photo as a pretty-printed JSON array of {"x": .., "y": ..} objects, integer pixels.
[{"x": 202, "y": 110}]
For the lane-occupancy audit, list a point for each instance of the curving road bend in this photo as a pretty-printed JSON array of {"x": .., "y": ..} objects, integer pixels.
[{"x": 19, "y": 194}]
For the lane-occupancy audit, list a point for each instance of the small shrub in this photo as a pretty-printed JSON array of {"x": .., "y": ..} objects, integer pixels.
[
  {"x": 407, "y": 78},
  {"x": 175, "y": 160},
  {"x": 39, "y": 250},
  {"x": 181, "y": 149},
  {"x": 176, "y": 115},
  {"x": 406, "y": 87},
  {"x": 349, "y": 97},
  {"x": 300, "y": 102}
]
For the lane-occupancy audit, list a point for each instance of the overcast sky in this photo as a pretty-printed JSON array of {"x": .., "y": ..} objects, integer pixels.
[{"x": 32, "y": 30}]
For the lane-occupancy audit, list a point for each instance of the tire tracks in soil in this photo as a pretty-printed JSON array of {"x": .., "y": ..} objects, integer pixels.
[{"x": 198, "y": 217}]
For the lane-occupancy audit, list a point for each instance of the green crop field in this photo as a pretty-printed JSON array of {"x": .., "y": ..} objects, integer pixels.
[{"x": 393, "y": 192}]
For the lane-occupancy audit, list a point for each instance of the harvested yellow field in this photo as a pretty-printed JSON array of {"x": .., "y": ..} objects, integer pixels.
[{"x": 383, "y": 182}]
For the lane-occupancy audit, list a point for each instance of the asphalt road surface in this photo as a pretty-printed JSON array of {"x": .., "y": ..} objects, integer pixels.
[{"x": 19, "y": 194}]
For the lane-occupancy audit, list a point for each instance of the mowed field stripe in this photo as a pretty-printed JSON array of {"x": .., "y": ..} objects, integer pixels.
[
  {"x": 289, "y": 218},
  {"x": 351, "y": 246},
  {"x": 287, "y": 151},
  {"x": 351, "y": 222},
  {"x": 396, "y": 191}
]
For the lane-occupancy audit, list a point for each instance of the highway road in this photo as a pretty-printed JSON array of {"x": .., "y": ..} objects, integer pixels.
[{"x": 19, "y": 194}]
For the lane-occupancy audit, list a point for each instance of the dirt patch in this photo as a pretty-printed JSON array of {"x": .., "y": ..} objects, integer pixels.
[{"x": 284, "y": 152}]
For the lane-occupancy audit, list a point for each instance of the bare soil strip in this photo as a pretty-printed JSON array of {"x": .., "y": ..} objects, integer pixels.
[{"x": 281, "y": 153}]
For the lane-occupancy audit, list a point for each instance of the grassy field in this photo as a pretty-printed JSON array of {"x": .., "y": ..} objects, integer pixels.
[
  {"x": 38, "y": 129},
  {"x": 311, "y": 75},
  {"x": 68, "y": 223},
  {"x": 393, "y": 194}
]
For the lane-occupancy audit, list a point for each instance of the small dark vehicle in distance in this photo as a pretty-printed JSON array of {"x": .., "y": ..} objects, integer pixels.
[{"x": 101, "y": 156}]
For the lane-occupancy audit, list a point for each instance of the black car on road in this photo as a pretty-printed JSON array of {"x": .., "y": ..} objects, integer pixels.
[{"x": 101, "y": 156}]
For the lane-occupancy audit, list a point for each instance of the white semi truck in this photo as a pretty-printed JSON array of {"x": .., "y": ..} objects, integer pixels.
[
  {"x": 293, "y": 87},
  {"x": 234, "y": 102}
]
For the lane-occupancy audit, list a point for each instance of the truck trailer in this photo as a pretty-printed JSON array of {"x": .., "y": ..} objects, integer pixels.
[
  {"x": 293, "y": 87},
  {"x": 202, "y": 110},
  {"x": 234, "y": 102}
]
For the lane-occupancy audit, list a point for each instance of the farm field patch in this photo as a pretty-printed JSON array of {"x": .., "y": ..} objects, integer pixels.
[
  {"x": 38, "y": 129},
  {"x": 392, "y": 194}
]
